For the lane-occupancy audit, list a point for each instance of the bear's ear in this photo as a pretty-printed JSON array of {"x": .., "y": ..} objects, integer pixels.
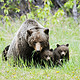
[
  {"x": 46, "y": 31},
  {"x": 58, "y": 45},
  {"x": 67, "y": 45},
  {"x": 51, "y": 49},
  {"x": 29, "y": 32}
]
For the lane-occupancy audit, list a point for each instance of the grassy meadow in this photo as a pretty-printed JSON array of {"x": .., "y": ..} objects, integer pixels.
[{"x": 62, "y": 32}]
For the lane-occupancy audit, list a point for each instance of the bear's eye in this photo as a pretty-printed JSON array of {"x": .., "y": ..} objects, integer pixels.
[
  {"x": 60, "y": 51},
  {"x": 46, "y": 56},
  {"x": 34, "y": 43},
  {"x": 65, "y": 51},
  {"x": 41, "y": 42}
]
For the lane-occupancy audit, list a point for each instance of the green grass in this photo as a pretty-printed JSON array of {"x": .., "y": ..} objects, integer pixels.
[{"x": 63, "y": 32}]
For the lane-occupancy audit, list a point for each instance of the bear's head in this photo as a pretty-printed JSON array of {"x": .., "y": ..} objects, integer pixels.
[
  {"x": 63, "y": 50},
  {"x": 47, "y": 55},
  {"x": 38, "y": 39}
]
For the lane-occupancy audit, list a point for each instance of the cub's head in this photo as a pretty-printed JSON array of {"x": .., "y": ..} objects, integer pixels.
[
  {"x": 38, "y": 38},
  {"x": 63, "y": 50},
  {"x": 47, "y": 55}
]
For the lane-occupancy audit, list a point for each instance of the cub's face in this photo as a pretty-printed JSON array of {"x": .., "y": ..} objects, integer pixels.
[
  {"x": 47, "y": 55},
  {"x": 63, "y": 50},
  {"x": 38, "y": 39}
]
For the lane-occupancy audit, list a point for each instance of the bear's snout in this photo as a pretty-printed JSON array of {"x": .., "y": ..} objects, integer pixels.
[
  {"x": 63, "y": 54},
  {"x": 38, "y": 47},
  {"x": 48, "y": 58}
]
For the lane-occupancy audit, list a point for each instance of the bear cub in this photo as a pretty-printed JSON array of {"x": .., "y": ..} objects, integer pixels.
[
  {"x": 46, "y": 56},
  {"x": 4, "y": 53},
  {"x": 61, "y": 53}
]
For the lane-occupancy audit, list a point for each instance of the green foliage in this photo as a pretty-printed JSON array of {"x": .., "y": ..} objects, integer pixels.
[
  {"x": 30, "y": 15},
  {"x": 58, "y": 14},
  {"x": 42, "y": 13},
  {"x": 69, "y": 5},
  {"x": 1, "y": 16},
  {"x": 11, "y": 7},
  {"x": 36, "y": 12},
  {"x": 1, "y": 0},
  {"x": 29, "y": 1},
  {"x": 23, "y": 17},
  {"x": 78, "y": 7}
]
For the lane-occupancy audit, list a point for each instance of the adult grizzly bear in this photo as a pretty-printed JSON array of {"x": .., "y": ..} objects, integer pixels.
[{"x": 30, "y": 36}]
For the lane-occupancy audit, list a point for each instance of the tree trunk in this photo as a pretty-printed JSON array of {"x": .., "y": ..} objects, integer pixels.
[{"x": 74, "y": 11}]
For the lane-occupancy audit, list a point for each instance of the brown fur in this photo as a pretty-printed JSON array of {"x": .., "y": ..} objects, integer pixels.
[
  {"x": 4, "y": 53},
  {"x": 28, "y": 36},
  {"x": 60, "y": 53},
  {"x": 44, "y": 56},
  {"x": 47, "y": 55}
]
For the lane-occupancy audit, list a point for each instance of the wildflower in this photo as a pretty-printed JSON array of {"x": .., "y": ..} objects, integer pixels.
[
  {"x": 14, "y": 76},
  {"x": 7, "y": 71},
  {"x": 76, "y": 76},
  {"x": 33, "y": 78},
  {"x": 30, "y": 72},
  {"x": 47, "y": 75},
  {"x": 73, "y": 72},
  {"x": 15, "y": 68},
  {"x": 14, "y": 73},
  {"x": 57, "y": 71}
]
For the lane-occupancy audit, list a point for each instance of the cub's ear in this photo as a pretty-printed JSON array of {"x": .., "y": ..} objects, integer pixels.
[
  {"x": 51, "y": 49},
  {"x": 67, "y": 45},
  {"x": 46, "y": 31},
  {"x": 58, "y": 45},
  {"x": 29, "y": 32}
]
